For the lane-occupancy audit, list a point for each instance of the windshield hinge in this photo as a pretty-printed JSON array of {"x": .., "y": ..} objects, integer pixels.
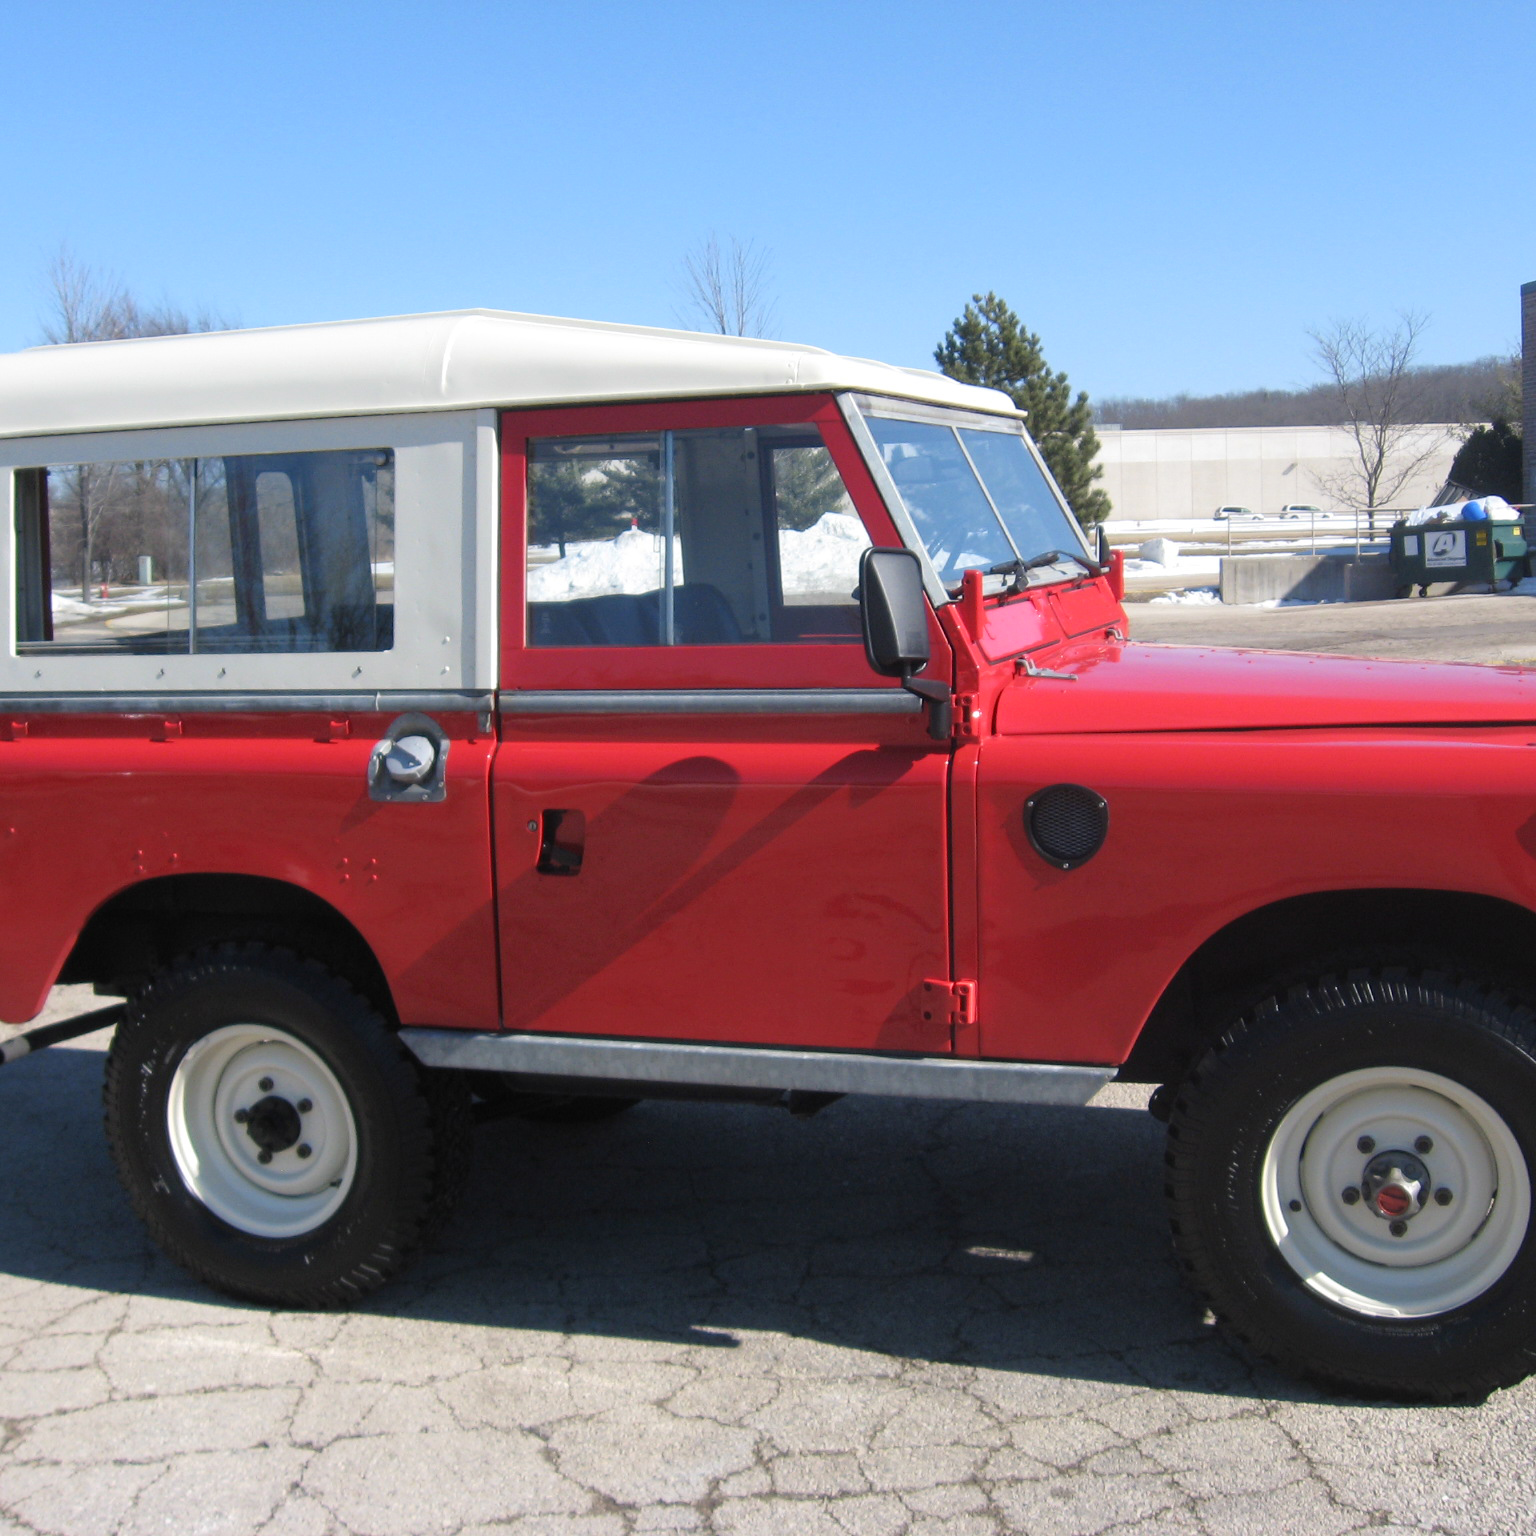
[
  {"x": 949, "y": 1002},
  {"x": 967, "y": 716},
  {"x": 1026, "y": 666}
]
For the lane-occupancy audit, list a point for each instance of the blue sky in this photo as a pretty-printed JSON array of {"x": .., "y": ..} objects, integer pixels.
[{"x": 1170, "y": 195}]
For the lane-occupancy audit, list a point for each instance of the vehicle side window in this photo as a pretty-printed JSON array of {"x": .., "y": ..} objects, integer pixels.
[
  {"x": 230, "y": 555},
  {"x": 717, "y": 536}
]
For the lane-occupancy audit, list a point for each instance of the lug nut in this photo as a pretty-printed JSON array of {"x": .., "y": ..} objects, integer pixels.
[
  {"x": 1295, "y": 1205},
  {"x": 263, "y": 1156},
  {"x": 1424, "y": 1144},
  {"x": 1398, "y": 1228},
  {"x": 304, "y": 1149},
  {"x": 266, "y": 1085},
  {"x": 241, "y": 1116},
  {"x": 304, "y": 1106},
  {"x": 1351, "y": 1195},
  {"x": 1366, "y": 1144},
  {"x": 1443, "y": 1196}
]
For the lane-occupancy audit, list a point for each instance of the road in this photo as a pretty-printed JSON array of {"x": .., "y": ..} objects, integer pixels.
[
  {"x": 1484, "y": 628},
  {"x": 894, "y": 1319}
]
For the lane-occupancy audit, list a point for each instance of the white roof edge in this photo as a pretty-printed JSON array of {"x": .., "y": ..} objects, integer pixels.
[{"x": 452, "y": 360}]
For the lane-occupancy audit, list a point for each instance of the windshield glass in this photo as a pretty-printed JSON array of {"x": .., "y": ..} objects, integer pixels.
[{"x": 976, "y": 496}]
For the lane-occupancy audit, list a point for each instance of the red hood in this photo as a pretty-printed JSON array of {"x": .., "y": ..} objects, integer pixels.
[{"x": 1135, "y": 687}]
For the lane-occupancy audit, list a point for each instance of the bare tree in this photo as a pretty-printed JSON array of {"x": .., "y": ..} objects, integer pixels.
[
  {"x": 86, "y": 305},
  {"x": 1371, "y": 374},
  {"x": 729, "y": 290}
]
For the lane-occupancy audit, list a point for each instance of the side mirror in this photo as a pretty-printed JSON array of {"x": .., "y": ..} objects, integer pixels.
[
  {"x": 1101, "y": 542},
  {"x": 894, "y": 611}
]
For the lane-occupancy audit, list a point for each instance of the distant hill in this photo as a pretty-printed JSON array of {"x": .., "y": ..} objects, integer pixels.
[{"x": 1456, "y": 392}]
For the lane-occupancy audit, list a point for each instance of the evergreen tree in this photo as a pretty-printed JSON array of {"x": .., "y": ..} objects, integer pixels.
[
  {"x": 1491, "y": 462},
  {"x": 988, "y": 345}
]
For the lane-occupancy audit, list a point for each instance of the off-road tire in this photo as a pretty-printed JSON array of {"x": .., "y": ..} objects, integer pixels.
[
  {"x": 411, "y": 1129},
  {"x": 1390, "y": 1025}
]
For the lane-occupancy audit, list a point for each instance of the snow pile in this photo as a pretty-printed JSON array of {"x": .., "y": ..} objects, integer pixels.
[
  {"x": 823, "y": 558},
  {"x": 1198, "y": 595},
  {"x": 593, "y": 568},
  {"x": 1158, "y": 552}
]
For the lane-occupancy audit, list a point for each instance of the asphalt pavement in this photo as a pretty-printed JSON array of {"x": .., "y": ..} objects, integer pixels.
[{"x": 893, "y": 1319}]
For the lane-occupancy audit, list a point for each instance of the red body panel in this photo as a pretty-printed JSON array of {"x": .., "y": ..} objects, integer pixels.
[
  {"x": 92, "y": 806},
  {"x": 1133, "y": 687},
  {"x": 779, "y": 881},
  {"x": 1205, "y": 827}
]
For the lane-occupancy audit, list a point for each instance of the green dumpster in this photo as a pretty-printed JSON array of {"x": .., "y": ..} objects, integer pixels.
[{"x": 1488, "y": 552}]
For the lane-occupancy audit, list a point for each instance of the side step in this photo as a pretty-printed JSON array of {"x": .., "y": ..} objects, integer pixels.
[{"x": 642, "y": 1062}]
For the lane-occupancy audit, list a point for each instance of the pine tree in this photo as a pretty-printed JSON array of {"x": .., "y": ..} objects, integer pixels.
[{"x": 988, "y": 345}]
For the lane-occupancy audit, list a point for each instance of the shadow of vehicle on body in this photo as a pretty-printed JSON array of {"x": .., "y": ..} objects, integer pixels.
[{"x": 1009, "y": 1238}]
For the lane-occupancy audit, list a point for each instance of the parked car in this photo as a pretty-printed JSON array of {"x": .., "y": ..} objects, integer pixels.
[
  {"x": 1297, "y": 509},
  {"x": 1222, "y": 514},
  {"x": 535, "y": 717}
]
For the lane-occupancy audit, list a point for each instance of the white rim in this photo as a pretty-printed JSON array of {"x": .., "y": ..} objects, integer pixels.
[
  {"x": 219, "y": 1146},
  {"x": 1442, "y": 1255}
]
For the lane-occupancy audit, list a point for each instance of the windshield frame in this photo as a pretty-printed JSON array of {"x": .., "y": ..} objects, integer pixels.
[{"x": 855, "y": 407}]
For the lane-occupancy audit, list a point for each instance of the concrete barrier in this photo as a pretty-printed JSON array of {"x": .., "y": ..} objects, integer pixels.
[{"x": 1335, "y": 578}]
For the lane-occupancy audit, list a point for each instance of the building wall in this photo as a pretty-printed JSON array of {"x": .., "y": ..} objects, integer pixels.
[
  {"x": 1528, "y": 382},
  {"x": 1189, "y": 472}
]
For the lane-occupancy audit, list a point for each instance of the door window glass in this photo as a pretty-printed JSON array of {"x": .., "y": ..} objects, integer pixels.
[{"x": 716, "y": 536}]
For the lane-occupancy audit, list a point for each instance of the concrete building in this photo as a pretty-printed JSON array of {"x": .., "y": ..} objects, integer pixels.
[
  {"x": 1528, "y": 382},
  {"x": 1177, "y": 472}
]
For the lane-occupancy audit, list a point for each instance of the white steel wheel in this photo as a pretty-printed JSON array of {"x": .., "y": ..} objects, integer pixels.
[
  {"x": 1395, "y": 1193},
  {"x": 261, "y": 1131}
]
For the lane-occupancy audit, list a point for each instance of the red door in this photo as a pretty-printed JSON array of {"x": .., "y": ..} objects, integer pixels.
[{"x": 712, "y": 820}]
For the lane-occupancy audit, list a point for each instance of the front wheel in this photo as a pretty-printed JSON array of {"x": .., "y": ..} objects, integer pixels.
[
  {"x": 1350, "y": 1182},
  {"x": 273, "y": 1134}
]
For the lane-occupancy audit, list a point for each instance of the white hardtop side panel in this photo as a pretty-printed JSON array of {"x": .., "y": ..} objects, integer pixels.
[
  {"x": 461, "y": 359},
  {"x": 444, "y": 583}
]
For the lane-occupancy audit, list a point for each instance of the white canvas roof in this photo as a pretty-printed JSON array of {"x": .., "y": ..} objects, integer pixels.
[{"x": 449, "y": 361}]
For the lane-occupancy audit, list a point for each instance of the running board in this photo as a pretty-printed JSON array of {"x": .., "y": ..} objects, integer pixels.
[{"x": 640, "y": 1062}]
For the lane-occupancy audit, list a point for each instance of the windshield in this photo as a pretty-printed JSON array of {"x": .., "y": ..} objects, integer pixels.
[{"x": 975, "y": 494}]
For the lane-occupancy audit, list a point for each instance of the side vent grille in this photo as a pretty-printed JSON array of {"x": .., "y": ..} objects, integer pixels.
[{"x": 1066, "y": 824}]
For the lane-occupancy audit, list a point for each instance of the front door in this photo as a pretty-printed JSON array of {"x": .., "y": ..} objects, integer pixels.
[{"x": 712, "y": 820}]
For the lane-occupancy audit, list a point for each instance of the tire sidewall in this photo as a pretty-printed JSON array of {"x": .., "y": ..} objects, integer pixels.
[
  {"x": 383, "y": 1207},
  {"x": 1249, "y": 1280}
]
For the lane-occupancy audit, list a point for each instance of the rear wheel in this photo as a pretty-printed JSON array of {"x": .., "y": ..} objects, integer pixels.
[
  {"x": 273, "y": 1134},
  {"x": 1350, "y": 1180}
]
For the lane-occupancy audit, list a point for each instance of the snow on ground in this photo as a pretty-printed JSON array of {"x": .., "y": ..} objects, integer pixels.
[
  {"x": 1197, "y": 595},
  {"x": 819, "y": 559}
]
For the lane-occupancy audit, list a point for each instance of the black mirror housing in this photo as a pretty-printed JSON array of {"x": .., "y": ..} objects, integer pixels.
[
  {"x": 895, "y": 614},
  {"x": 894, "y": 611}
]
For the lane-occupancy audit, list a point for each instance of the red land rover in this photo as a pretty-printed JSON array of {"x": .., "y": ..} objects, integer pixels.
[{"x": 462, "y": 706}]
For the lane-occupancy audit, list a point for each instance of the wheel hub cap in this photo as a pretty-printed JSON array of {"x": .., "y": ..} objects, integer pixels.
[
  {"x": 1395, "y": 1185},
  {"x": 273, "y": 1124}
]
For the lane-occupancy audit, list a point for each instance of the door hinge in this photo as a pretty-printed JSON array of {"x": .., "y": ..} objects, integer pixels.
[
  {"x": 949, "y": 1002},
  {"x": 967, "y": 716}
]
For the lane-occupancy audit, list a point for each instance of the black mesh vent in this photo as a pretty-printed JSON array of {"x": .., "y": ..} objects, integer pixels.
[{"x": 1066, "y": 824}]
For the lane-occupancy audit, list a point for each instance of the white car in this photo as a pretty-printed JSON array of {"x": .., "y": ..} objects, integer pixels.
[
  {"x": 1222, "y": 514},
  {"x": 1295, "y": 509}
]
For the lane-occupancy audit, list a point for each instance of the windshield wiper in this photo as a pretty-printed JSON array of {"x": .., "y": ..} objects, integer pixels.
[{"x": 1018, "y": 568}]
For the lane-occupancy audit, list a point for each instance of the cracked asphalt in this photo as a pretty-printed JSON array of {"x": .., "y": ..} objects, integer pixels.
[{"x": 892, "y": 1318}]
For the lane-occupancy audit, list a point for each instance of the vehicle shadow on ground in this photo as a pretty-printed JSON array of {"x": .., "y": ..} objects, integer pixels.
[{"x": 1014, "y": 1239}]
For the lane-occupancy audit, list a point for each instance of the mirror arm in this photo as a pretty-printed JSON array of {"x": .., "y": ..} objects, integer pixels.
[{"x": 940, "y": 701}]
